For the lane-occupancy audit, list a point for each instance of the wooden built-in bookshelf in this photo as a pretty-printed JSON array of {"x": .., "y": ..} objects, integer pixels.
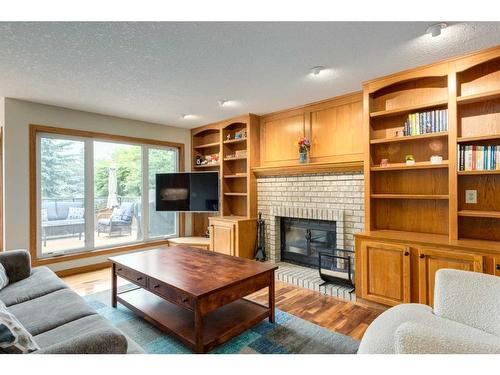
[
  {"x": 478, "y": 123},
  {"x": 425, "y": 197},
  {"x": 237, "y": 183},
  {"x": 417, "y": 220}
]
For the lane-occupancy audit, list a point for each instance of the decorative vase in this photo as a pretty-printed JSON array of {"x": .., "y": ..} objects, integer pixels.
[{"x": 303, "y": 157}]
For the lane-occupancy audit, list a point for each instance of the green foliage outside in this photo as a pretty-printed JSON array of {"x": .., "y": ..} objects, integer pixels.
[{"x": 62, "y": 169}]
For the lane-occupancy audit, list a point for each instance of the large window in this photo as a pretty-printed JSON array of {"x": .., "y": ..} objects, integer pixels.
[{"x": 97, "y": 193}]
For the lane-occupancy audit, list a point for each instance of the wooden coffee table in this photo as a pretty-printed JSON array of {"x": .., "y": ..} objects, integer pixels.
[{"x": 194, "y": 295}]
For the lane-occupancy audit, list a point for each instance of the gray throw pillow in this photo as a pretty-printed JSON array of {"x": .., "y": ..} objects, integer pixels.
[
  {"x": 4, "y": 280},
  {"x": 14, "y": 338}
]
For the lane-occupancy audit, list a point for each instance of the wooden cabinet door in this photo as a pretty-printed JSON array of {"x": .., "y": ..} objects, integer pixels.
[
  {"x": 431, "y": 260},
  {"x": 278, "y": 138},
  {"x": 385, "y": 272},
  {"x": 336, "y": 131},
  {"x": 222, "y": 238}
]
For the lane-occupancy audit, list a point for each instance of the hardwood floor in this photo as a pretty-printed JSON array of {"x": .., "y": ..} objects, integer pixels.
[{"x": 338, "y": 315}]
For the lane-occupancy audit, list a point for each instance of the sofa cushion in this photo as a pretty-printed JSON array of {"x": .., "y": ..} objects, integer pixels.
[
  {"x": 42, "y": 281},
  {"x": 50, "y": 206},
  {"x": 71, "y": 329},
  {"x": 469, "y": 298},
  {"x": 79, "y": 327},
  {"x": 17, "y": 263},
  {"x": 4, "y": 279},
  {"x": 76, "y": 213},
  {"x": 444, "y": 336},
  {"x": 14, "y": 338},
  {"x": 63, "y": 208},
  {"x": 379, "y": 337},
  {"x": 51, "y": 310},
  {"x": 106, "y": 222}
]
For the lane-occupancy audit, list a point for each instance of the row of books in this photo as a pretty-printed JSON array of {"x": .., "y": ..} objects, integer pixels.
[
  {"x": 426, "y": 122},
  {"x": 478, "y": 158}
]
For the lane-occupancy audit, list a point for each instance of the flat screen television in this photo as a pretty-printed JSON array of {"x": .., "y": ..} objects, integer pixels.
[{"x": 187, "y": 192}]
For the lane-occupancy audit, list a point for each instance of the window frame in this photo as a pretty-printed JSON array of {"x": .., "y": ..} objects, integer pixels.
[{"x": 89, "y": 249}]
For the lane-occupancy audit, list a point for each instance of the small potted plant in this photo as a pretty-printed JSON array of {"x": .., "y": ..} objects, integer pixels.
[{"x": 304, "y": 146}]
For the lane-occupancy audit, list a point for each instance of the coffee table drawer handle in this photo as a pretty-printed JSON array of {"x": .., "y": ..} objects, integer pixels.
[
  {"x": 184, "y": 299},
  {"x": 156, "y": 286},
  {"x": 120, "y": 269},
  {"x": 139, "y": 278}
]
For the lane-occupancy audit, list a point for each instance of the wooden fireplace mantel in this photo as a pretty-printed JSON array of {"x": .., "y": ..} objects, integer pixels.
[{"x": 308, "y": 168}]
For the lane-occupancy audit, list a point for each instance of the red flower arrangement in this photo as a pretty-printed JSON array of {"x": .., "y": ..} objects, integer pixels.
[{"x": 304, "y": 145}]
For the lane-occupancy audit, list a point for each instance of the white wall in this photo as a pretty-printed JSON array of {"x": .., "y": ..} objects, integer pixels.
[{"x": 18, "y": 116}]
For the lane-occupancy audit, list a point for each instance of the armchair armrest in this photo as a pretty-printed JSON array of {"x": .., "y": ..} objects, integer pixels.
[
  {"x": 418, "y": 338},
  {"x": 17, "y": 264},
  {"x": 470, "y": 298},
  {"x": 99, "y": 341}
]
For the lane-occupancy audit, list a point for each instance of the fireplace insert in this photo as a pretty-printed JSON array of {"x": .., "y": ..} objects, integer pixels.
[
  {"x": 312, "y": 243},
  {"x": 303, "y": 239}
]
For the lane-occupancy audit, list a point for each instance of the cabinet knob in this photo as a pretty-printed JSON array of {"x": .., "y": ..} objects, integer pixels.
[
  {"x": 422, "y": 256},
  {"x": 406, "y": 253}
]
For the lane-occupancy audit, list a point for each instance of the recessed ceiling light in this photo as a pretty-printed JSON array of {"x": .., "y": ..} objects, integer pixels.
[
  {"x": 185, "y": 116},
  {"x": 435, "y": 30},
  {"x": 226, "y": 103},
  {"x": 316, "y": 70}
]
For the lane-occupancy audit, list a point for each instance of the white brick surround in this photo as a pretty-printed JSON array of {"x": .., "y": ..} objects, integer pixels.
[{"x": 314, "y": 196}]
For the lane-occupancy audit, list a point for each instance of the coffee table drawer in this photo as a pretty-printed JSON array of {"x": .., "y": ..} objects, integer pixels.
[
  {"x": 129, "y": 274},
  {"x": 170, "y": 294}
]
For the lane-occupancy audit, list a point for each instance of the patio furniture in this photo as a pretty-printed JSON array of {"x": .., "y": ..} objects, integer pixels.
[
  {"x": 62, "y": 218},
  {"x": 119, "y": 221}
]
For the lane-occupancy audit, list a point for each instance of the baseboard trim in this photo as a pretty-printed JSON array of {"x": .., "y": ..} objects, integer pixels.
[{"x": 83, "y": 269}]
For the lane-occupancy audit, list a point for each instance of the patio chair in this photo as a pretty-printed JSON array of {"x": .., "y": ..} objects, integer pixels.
[{"x": 119, "y": 222}]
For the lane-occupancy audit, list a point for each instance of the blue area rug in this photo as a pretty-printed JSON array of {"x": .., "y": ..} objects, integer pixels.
[{"x": 289, "y": 335}]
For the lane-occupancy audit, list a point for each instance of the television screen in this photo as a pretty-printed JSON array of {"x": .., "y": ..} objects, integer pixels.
[{"x": 192, "y": 192}]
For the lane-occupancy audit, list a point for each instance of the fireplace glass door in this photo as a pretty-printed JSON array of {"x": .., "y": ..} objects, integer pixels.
[{"x": 302, "y": 240}]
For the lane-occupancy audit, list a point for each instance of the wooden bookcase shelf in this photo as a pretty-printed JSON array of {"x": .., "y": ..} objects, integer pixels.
[
  {"x": 409, "y": 196},
  {"x": 207, "y": 165},
  {"x": 477, "y": 173},
  {"x": 480, "y": 138},
  {"x": 239, "y": 140},
  {"x": 478, "y": 123},
  {"x": 417, "y": 219},
  {"x": 207, "y": 145},
  {"x": 406, "y": 192},
  {"x": 477, "y": 213},
  {"x": 403, "y": 166},
  {"x": 398, "y": 196},
  {"x": 409, "y": 108},
  {"x": 238, "y": 186},
  {"x": 480, "y": 97},
  {"x": 236, "y": 158},
  {"x": 409, "y": 138}
]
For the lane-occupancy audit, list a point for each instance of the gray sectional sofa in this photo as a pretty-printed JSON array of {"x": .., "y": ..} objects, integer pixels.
[{"x": 58, "y": 318}]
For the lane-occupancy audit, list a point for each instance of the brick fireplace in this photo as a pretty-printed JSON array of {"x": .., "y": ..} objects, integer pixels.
[
  {"x": 336, "y": 197},
  {"x": 333, "y": 196}
]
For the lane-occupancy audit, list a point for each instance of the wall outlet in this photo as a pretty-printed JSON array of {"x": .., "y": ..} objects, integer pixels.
[{"x": 471, "y": 196}]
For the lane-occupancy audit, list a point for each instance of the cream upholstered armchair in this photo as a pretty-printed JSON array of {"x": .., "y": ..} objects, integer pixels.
[{"x": 465, "y": 319}]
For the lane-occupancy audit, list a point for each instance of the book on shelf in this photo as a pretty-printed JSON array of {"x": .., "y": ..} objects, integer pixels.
[
  {"x": 426, "y": 122},
  {"x": 478, "y": 158}
]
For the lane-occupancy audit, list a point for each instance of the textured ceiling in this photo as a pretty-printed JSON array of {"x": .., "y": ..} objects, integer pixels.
[{"x": 156, "y": 71}]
